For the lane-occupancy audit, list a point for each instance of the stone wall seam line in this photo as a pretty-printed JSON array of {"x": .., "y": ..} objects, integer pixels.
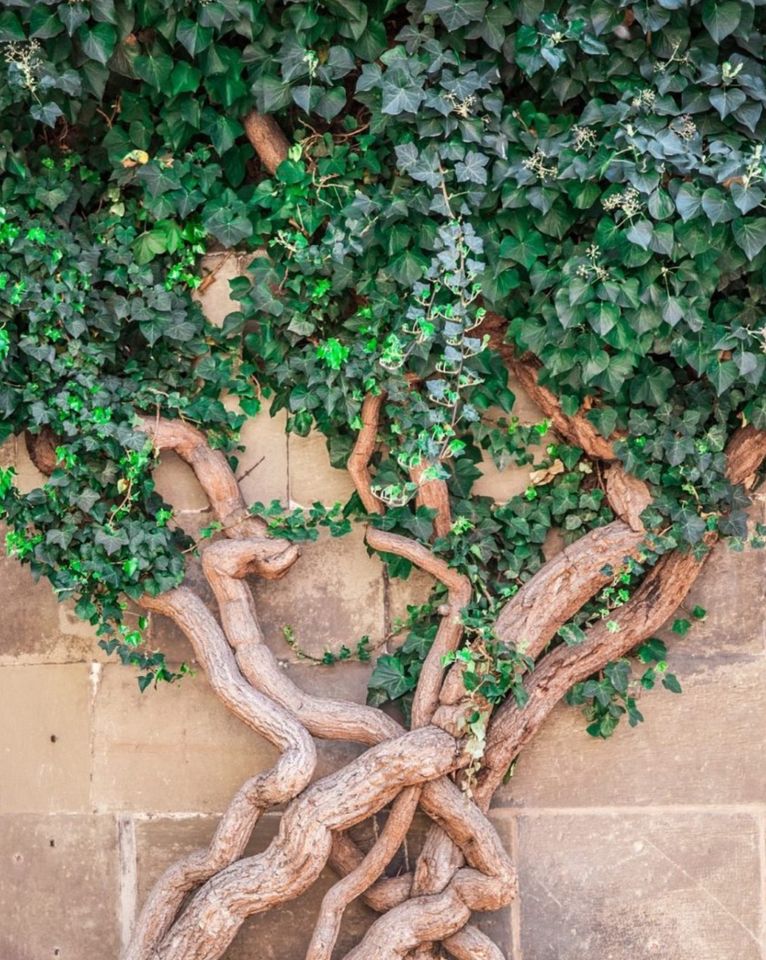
[{"x": 127, "y": 876}]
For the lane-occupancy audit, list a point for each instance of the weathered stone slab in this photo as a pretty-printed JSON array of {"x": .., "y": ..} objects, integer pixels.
[
  {"x": 262, "y": 469},
  {"x": 38, "y": 629},
  {"x": 177, "y": 485},
  {"x": 704, "y": 746},
  {"x": 501, "y": 485},
  {"x": 280, "y": 934},
  {"x": 173, "y": 748},
  {"x": 214, "y": 296},
  {"x": 58, "y": 888},
  {"x": 44, "y": 738},
  {"x": 330, "y": 598},
  {"x": 312, "y": 477},
  {"x": 413, "y": 591},
  {"x": 680, "y": 885},
  {"x": 732, "y": 589}
]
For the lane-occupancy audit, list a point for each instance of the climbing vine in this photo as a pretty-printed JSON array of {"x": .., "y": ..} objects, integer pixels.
[{"x": 579, "y": 183}]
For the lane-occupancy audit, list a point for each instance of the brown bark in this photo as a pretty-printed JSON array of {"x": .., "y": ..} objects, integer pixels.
[
  {"x": 267, "y": 139},
  {"x": 434, "y": 495},
  {"x": 363, "y": 876},
  {"x": 746, "y": 452},
  {"x": 463, "y": 866},
  {"x": 358, "y": 464},
  {"x": 41, "y": 448}
]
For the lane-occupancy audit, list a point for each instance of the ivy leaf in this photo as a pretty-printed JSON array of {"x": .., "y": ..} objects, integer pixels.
[
  {"x": 750, "y": 235},
  {"x": 155, "y": 70},
  {"x": 688, "y": 201},
  {"x": 193, "y": 36},
  {"x": 73, "y": 15},
  {"x": 111, "y": 540},
  {"x": 389, "y": 676},
  {"x": 330, "y": 103},
  {"x": 602, "y": 316},
  {"x": 98, "y": 43},
  {"x": 746, "y": 198},
  {"x": 670, "y": 682},
  {"x": 690, "y": 523},
  {"x": 401, "y": 93},
  {"x": 47, "y": 113},
  {"x": 721, "y": 19},
  {"x": 271, "y": 94},
  {"x": 473, "y": 168},
  {"x": 524, "y": 251},
  {"x": 727, "y": 99},
  {"x": 457, "y": 13},
  {"x": 717, "y": 206},
  {"x": 641, "y": 233},
  {"x": 222, "y": 130},
  {"x": 10, "y": 27},
  {"x": 229, "y": 225}
]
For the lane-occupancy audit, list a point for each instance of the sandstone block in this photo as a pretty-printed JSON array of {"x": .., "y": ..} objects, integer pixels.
[
  {"x": 173, "y": 748},
  {"x": 262, "y": 468},
  {"x": 214, "y": 299},
  {"x": 58, "y": 888},
  {"x": 330, "y": 598},
  {"x": 45, "y": 738},
  {"x": 684, "y": 886},
  {"x": 732, "y": 589},
  {"x": 312, "y": 477},
  {"x": 703, "y": 746}
]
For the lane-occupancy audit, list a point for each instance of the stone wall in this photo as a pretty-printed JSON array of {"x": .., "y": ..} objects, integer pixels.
[{"x": 648, "y": 845}]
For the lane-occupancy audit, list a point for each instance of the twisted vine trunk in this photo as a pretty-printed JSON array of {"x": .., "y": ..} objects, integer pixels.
[{"x": 199, "y": 904}]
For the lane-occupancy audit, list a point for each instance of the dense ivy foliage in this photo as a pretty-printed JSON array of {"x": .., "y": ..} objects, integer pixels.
[{"x": 593, "y": 173}]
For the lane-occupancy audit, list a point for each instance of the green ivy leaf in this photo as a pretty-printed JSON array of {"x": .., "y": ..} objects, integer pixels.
[
  {"x": 721, "y": 19},
  {"x": 98, "y": 42},
  {"x": 750, "y": 235},
  {"x": 195, "y": 38}
]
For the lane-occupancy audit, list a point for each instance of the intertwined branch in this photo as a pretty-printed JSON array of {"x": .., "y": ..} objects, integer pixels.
[{"x": 198, "y": 905}]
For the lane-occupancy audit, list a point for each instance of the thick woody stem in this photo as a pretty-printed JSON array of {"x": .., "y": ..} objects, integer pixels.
[
  {"x": 661, "y": 592},
  {"x": 489, "y": 882},
  {"x": 291, "y": 773},
  {"x": 358, "y": 464},
  {"x": 267, "y": 139},
  {"x": 225, "y": 565},
  {"x": 296, "y": 856},
  {"x": 362, "y": 877},
  {"x": 450, "y": 628},
  {"x": 434, "y": 495},
  {"x": 471, "y": 944},
  {"x": 746, "y": 452}
]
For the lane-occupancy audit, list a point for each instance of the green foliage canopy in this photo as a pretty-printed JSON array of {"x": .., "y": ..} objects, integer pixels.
[{"x": 591, "y": 172}]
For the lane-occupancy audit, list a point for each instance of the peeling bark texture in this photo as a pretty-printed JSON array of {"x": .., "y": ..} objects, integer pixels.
[
  {"x": 661, "y": 592},
  {"x": 627, "y": 495},
  {"x": 746, "y": 452},
  {"x": 267, "y": 139},
  {"x": 359, "y": 462},
  {"x": 433, "y": 494},
  {"x": 41, "y": 448},
  {"x": 471, "y": 944},
  {"x": 199, "y": 904},
  {"x": 362, "y": 877},
  {"x": 564, "y": 584}
]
